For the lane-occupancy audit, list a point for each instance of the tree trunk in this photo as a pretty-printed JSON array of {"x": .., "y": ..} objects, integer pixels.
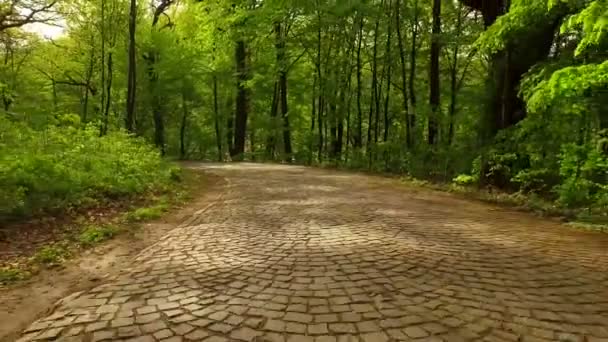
[
  {"x": 333, "y": 128},
  {"x": 274, "y": 109},
  {"x": 55, "y": 102},
  {"x": 313, "y": 116},
  {"x": 106, "y": 115},
  {"x": 230, "y": 126},
  {"x": 282, "y": 89},
  {"x": 157, "y": 100},
  {"x": 359, "y": 127},
  {"x": 159, "y": 122},
  {"x": 216, "y": 117},
  {"x": 285, "y": 114},
  {"x": 453, "y": 91},
  {"x": 434, "y": 100},
  {"x": 387, "y": 118},
  {"x": 412, "y": 78},
  {"x": 182, "y": 130},
  {"x": 454, "y": 78},
  {"x": 374, "y": 100},
  {"x": 321, "y": 101},
  {"x": 408, "y": 130},
  {"x": 87, "y": 86},
  {"x": 242, "y": 101},
  {"x": 132, "y": 69},
  {"x": 103, "y": 65}
]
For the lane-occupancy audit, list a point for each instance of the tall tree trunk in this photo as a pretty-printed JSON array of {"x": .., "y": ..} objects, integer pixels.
[
  {"x": 282, "y": 63},
  {"x": 242, "y": 101},
  {"x": 454, "y": 77},
  {"x": 102, "y": 98},
  {"x": 159, "y": 122},
  {"x": 274, "y": 109},
  {"x": 230, "y": 125},
  {"x": 216, "y": 117},
  {"x": 507, "y": 68},
  {"x": 348, "y": 112},
  {"x": 55, "y": 101},
  {"x": 359, "y": 126},
  {"x": 157, "y": 98},
  {"x": 321, "y": 101},
  {"x": 285, "y": 114},
  {"x": 106, "y": 115},
  {"x": 374, "y": 100},
  {"x": 87, "y": 86},
  {"x": 412, "y": 78},
  {"x": 453, "y": 91},
  {"x": 157, "y": 105},
  {"x": 434, "y": 99},
  {"x": 408, "y": 128},
  {"x": 182, "y": 129},
  {"x": 313, "y": 117},
  {"x": 333, "y": 127},
  {"x": 132, "y": 71},
  {"x": 387, "y": 118}
]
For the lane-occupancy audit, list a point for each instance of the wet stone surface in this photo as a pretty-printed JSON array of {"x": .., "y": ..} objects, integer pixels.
[{"x": 296, "y": 254}]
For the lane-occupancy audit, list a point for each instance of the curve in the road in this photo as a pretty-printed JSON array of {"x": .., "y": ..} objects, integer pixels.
[{"x": 297, "y": 254}]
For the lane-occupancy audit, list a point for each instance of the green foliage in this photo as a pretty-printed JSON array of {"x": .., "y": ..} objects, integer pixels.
[
  {"x": 522, "y": 18},
  {"x": 63, "y": 166},
  {"x": 55, "y": 162},
  {"x": 147, "y": 213},
  {"x": 466, "y": 180},
  {"x": 9, "y": 275},
  {"x": 584, "y": 170},
  {"x": 568, "y": 87},
  {"x": 92, "y": 235},
  {"x": 592, "y": 20},
  {"x": 51, "y": 255}
]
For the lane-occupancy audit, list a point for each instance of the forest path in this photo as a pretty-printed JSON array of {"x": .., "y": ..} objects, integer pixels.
[{"x": 297, "y": 254}]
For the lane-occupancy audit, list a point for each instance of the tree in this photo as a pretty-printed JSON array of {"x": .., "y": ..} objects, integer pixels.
[
  {"x": 18, "y": 13},
  {"x": 132, "y": 73},
  {"x": 502, "y": 93},
  {"x": 433, "y": 127}
]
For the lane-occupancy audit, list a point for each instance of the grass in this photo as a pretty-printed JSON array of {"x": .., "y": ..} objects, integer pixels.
[
  {"x": 94, "y": 234},
  {"x": 579, "y": 219},
  {"x": 147, "y": 213},
  {"x": 91, "y": 231},
  {"x": 51, "y": 255},
  {"x": 10, "y": 274}
]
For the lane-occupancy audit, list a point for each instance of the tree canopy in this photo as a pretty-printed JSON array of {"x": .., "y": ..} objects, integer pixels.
[{"x": 508, "y": 94}]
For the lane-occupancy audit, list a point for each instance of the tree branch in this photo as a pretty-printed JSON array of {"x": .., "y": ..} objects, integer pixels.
[{"x": 12, "y": 16}]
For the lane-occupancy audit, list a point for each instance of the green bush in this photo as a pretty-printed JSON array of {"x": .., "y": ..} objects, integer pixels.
[
  {"x": 67, "y": 166},
  {"x": 9, "y": 274},
  {"x": 95, "y": 234},
  {"x": 51, "y": 255},
  {"x": 147, "y": 213},
  {"x": 584, "y": 170},
  {"x": 466, "y": 180}
]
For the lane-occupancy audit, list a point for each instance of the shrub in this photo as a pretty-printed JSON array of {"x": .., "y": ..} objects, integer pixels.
[
  {"x": 96, "y": 234},
  {"x": 584, "y": 170},
  {"x": 51, "y": 255},
  {"x": 9, "y": 274},
  {"x": 65, "y": 166},
  {"x": 147, "y": 213},
  {"x": 466, "y": 180}
]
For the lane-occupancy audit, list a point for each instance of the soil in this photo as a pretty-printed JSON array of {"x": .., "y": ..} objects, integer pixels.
[{"x": 26, "y": 301}]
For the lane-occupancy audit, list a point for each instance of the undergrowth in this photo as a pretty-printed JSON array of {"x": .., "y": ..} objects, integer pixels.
[{"x": 66, "y": 166}]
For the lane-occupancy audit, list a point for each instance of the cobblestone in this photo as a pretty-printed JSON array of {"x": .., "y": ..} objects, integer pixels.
[{"x": 297, "y": 254}]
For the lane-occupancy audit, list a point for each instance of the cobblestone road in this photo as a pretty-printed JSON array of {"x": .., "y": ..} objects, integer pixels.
[{"x": 295, "y": 254}]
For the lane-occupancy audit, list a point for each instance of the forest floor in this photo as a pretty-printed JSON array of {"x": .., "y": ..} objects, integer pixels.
[
  {"x": 25, "y": 301},
  {"x": 289, "y": 253}
]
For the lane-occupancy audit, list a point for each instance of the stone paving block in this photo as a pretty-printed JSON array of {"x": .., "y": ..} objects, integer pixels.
[{"x": 295, "y": 254}]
